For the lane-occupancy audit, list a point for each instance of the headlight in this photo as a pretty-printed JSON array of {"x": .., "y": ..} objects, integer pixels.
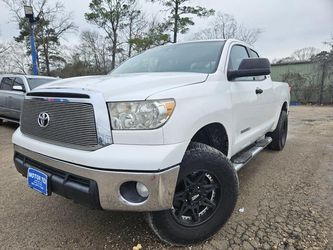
[{"x": 149, "y": 114}]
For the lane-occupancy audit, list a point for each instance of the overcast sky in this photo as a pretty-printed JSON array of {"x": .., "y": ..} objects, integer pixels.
[{"x": 287, "y": 24}]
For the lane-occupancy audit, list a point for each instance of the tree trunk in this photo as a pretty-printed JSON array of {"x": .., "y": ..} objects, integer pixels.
[
  {"x": 46, "y": 53},
  {"x": 130, "y": 50},
  {"x": 175, "y": 30},
  {"x": 130, "y": 38},
  {"x": 114, "y": 50}
]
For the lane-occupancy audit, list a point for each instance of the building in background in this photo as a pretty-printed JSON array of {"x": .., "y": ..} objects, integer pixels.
[{"x": 308, "y": 81}]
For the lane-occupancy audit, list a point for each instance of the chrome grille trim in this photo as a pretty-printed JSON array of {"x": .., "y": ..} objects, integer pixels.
[{"x": 89, "y": 127}]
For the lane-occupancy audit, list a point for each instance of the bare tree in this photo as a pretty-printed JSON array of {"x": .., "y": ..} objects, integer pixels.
[
  {"x": 324, "y": 60},
  {"x": 225, "y": 26},
  {"x": 3, "y": 48},
  {"x": 54, "y": 22},
  {"x": 155, "y": 34},
  {"x": 94, "y": 51},
  {"x": 112, "y": 17},
  {"x": 305, "y": 54},
  {"x": 135, "y": 26},
  {"x": 288, "y": 59},
  {"x": 181, "y": 12},
  {"x": 14, "y": 59},
  {"x": 296, "y": 82}
]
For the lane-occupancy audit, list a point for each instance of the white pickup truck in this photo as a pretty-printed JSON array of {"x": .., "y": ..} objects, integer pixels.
[{"x": 164, "y": 133}]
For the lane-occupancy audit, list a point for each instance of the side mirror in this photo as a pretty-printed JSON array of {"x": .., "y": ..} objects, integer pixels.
[
  {"x": 251, "y": 67},
  {"x": 18, "y": 88}
]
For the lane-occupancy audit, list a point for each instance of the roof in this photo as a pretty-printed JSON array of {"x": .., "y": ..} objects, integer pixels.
[
  {"x": 230, "y": 40},
  {"x": 208, "y": 40},
  {"x": 292, "y": 63},
  {"x": 227, "y": 41}
]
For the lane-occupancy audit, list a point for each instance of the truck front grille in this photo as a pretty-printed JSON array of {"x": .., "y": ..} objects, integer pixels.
[{"x": 70, "y": 124}]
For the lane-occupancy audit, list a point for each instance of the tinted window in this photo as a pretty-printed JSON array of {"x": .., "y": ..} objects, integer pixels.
[
  {"x": 35, "y": 82},
  {"x": 237, "y": 54},
  {"x": 6, "y": 83},
  {"x": 198, "y": 57},
  {"x": 254, "y": 54},
  {"x": 19, "y": 82}
]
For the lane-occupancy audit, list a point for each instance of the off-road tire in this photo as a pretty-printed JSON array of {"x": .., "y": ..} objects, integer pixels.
[
  {"x": 279, "y": 135},
  {"x": 200, "y": 158}
]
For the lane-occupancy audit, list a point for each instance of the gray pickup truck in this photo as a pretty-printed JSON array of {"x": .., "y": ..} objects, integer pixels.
[{"x": 12, "y": 91}]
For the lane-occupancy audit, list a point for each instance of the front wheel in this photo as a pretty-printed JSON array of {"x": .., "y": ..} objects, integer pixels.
[{"x": 205, "y": 197}]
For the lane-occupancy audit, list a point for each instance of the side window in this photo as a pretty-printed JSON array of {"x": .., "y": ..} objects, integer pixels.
[
  {"x": 254, "y": 54},
  {"x": 19, "y": 82},
  {"x": 6, "y": 83},
  {"x": 237, "y": 54}
]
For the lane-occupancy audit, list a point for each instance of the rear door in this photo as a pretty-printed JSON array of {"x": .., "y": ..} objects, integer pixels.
[
  {"x": 266, "y": 106},
  {"x": 5, "y": 92}
]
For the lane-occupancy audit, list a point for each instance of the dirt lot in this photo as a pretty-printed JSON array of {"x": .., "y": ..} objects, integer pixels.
[{"x": 287, "y": 199}]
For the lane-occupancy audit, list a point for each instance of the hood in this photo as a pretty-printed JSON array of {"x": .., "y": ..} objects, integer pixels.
[{"x": 127, "y": 87}]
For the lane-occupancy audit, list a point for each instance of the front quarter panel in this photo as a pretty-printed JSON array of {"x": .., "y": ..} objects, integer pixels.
[{"x": 196, "y": 106}]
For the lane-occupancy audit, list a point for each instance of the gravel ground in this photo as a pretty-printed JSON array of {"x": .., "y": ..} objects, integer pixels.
[{"x": 287, "y": 199}]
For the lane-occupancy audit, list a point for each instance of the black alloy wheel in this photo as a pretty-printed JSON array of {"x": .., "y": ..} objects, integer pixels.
[
  {"x": 279, "y": 135},
  {"x": 195, "y": 198},
  {"x": 205, "y": 197},
  {"x": 284, "y": 132}
]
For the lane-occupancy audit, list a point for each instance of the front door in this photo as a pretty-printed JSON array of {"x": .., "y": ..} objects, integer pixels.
[
  {"x": 17, "y": 98},
  {"x": 246, "y": 111},
  {"x": 6, "y": 85}
]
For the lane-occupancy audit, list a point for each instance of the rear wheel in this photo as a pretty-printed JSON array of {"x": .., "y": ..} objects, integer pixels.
[
  {"x": 205, "y": 197},
  {"x": 279, "y": 135},
  {"x": 1, "y": 121}
]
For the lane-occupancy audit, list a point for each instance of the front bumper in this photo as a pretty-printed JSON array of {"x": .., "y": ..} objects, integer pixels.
[
  {"x": 100, "y": 188},
  {"x": 115, "y": 157}
]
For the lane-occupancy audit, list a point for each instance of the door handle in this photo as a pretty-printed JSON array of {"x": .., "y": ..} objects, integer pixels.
[{"x": 259, "y": 91}]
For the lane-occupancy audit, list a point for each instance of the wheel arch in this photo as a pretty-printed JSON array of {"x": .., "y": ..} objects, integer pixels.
[
  {"x": 215, "y": 135},
  {"x": 285, "y": 106}
]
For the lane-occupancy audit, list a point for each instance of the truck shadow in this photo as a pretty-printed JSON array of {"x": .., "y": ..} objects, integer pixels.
[
  {"x": 10, "y": 125},
  {"x": 101, "y": 229}
]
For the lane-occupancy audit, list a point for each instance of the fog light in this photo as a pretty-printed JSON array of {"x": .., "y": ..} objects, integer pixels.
[{"x": 142, "y": 190}]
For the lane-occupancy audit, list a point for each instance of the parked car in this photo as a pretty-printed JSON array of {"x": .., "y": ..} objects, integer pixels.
[
  {"x": 164, "y": 133},
  {"x": 12, "y": 91}
]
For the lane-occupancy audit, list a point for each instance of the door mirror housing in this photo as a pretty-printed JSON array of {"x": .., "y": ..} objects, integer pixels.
[
  {"x": 251, "y": 67},
  {"x": 18, "y": 88}
]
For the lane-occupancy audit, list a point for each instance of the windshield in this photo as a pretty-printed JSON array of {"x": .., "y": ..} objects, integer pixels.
[
  {"x": 35, "y": 82},
  {"x": 197, "y": 57}
]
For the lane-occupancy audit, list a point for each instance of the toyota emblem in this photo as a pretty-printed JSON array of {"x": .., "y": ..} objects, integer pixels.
[{"x": 43, "y": 119}]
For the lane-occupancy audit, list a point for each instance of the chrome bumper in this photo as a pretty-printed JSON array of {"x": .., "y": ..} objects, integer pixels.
[{"x": 161, "y": 185}]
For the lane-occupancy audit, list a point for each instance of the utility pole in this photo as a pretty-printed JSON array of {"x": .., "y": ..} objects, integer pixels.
[{"x": 29, "y": 14}]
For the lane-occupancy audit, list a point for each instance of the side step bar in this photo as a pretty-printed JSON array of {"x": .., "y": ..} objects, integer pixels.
[{"x": 241, "y": 159}]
